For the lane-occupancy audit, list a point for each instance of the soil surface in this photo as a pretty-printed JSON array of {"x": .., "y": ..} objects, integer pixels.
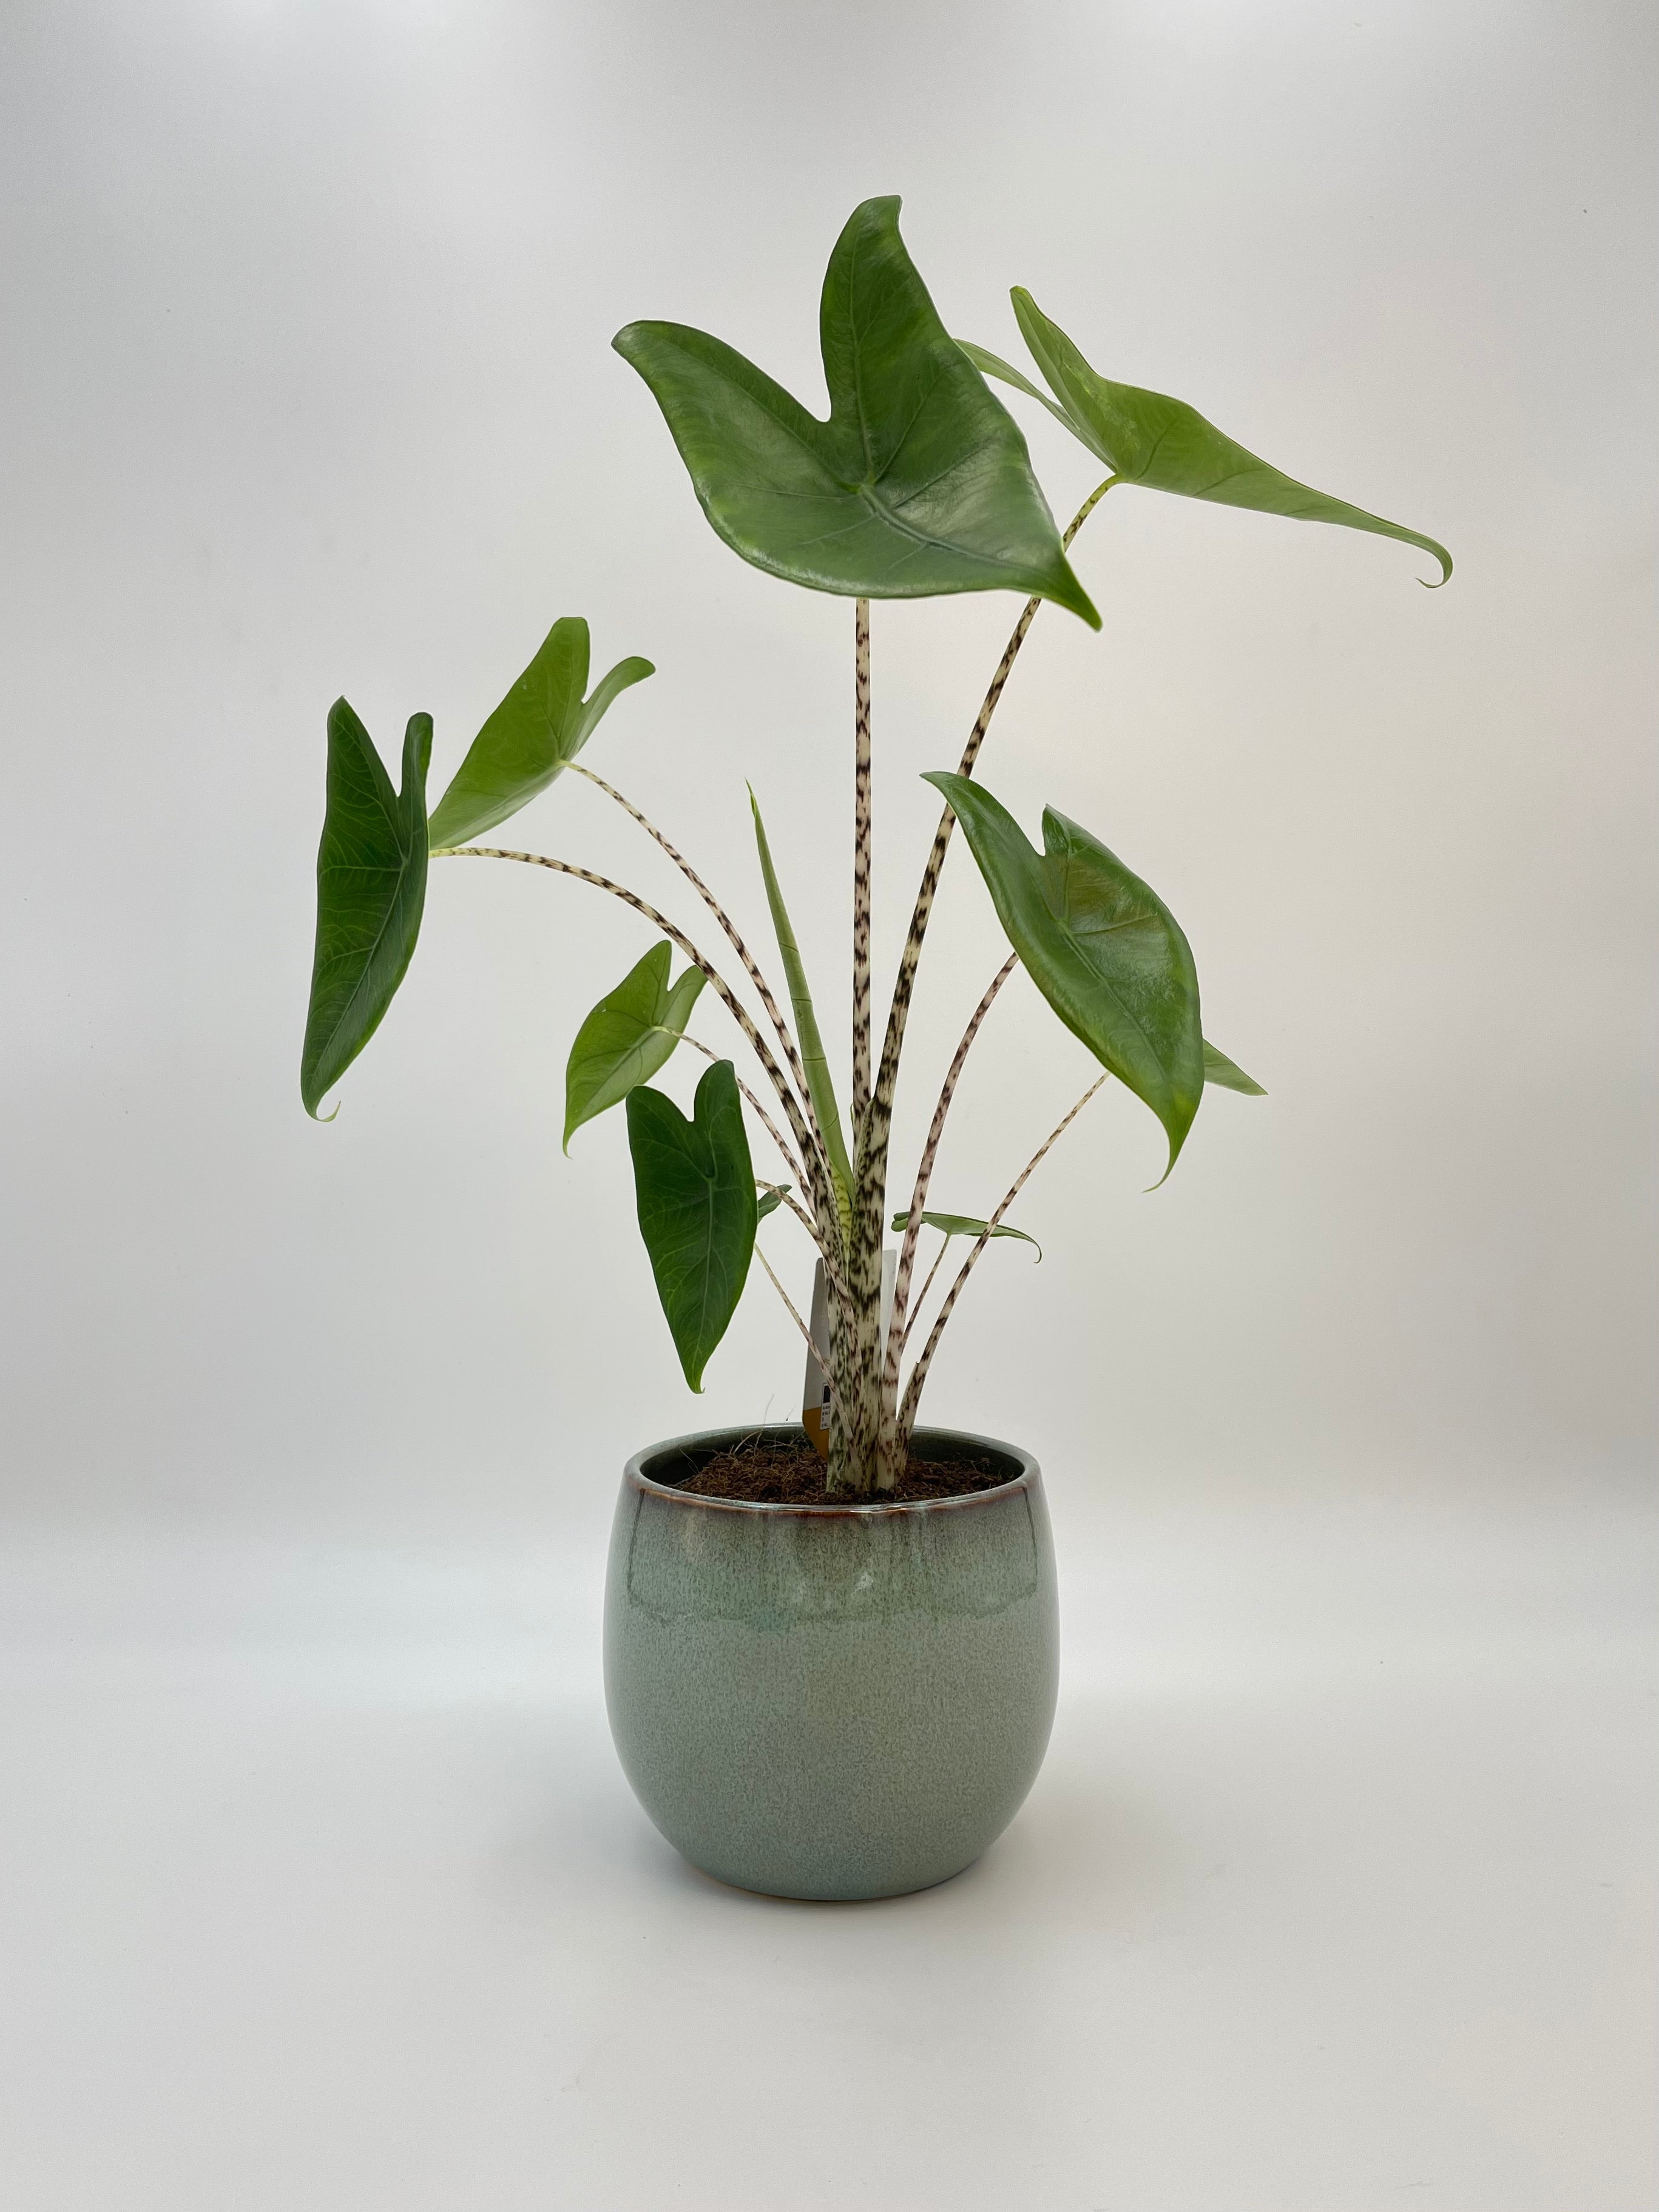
[{"x": 793, "y": 1474}]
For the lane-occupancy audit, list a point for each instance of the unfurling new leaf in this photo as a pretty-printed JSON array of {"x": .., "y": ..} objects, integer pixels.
[
  {"x": 919, "y": 483},
  {"x": 370, "y": 887},
  {"x": 1147, "y": 438},
  {"x": 962, "y": 1224},
  {"x": 815, "y": 1064},
  {"x": 1101, "y": 947},
  {"x": 538, "y": 730},
  {"x": 694, "y": 1185},
  {"x": 629, "y": 1035}
]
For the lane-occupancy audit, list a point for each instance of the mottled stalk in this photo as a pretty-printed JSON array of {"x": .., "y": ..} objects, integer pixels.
[
  {"x": 861, "y": 840},
  {"x": 891, "y": 1448},
  {"x": 907, "y": 1418},
  {"x": 723, "y": 991},
  {"x": 875, "y": 1135},
  {"x": 853, "y": 1454},
  {"x": 751, "y": 967},
  {"x": 817, "y": 1350}
]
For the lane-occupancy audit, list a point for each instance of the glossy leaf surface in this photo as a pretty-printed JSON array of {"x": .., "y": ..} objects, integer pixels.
[
  {"x": 694, "y": 1185},
  {"x": 918, "y": 483},
  {"x": 1161, "y": 443},
  {"x": 629, "y": 1035},
  {"x": 371, "y": 888},
  {"x": 814, "y": 1061},
  {"x": 1101, "y": 947},
  {"x": 962, "y": 1224},
  {"x": 538, "y": 730},
  {"x": 1219, "y": 1069}
]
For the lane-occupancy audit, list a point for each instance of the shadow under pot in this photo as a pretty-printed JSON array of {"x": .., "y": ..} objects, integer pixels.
[{"x": 843, "y": 1701}]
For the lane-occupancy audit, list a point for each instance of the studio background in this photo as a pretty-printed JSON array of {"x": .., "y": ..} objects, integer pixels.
[{"x": 309, "y": 390}]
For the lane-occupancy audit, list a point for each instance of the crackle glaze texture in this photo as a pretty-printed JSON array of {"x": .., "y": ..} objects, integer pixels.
[{"x": 835, "y": 1701}]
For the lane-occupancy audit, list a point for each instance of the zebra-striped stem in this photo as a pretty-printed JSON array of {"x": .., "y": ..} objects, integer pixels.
[
  {"x": 861, "y": 842},
  {"x": 751, "y": 967},
  {"x": 904, "y": 986},
  {"x": 892, "y": 1449},
  {"x": 907, "y": 1418},
  {"x": 853, "y": 1455},
  {"x": 822, "y": 1199},
  {"x": 794, "y": 1315},
  {"x": 913, "y": 1316}
]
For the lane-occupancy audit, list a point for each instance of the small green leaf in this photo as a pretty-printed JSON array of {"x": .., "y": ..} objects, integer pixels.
[
  {"x": 962, "y": 1224},
  {"x": 538, "y": 730},
  {"x": 694, "y": 1184},
  {"x": 629, "y": 1035},
  {"x": 771, "y": 1198},
  {"x": 1101, "y": 947},
  {"x": 820, "y": 1086},
  {"x": 370, "y": 887},
  {"x": 1163, "y": 444},
  {"x": 918, "y": 483},
  {"x": 1217, "y": 1068}
]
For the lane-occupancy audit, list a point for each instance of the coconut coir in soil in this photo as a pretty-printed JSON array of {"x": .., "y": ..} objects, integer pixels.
[{"x": 792, "y": 1474}]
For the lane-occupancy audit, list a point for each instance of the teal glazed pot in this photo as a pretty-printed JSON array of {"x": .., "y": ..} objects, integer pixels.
[{"x": 843, "y": 1701}]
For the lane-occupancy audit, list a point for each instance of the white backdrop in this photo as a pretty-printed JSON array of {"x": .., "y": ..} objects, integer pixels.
[{"x": 308, "y": 389}]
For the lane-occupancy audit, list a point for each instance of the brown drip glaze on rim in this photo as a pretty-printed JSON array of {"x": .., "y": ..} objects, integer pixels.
[{"x": 857, "y": 1508}]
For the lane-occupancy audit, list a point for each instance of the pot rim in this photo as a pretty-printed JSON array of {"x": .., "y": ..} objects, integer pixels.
[{"x": 861, "y": 1508}]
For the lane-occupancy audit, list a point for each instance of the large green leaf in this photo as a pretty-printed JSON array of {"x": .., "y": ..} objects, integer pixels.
[
  {"x": 629, "y": 1035},
  {"x": 538, "y": 730},
  {"x": 370, "y": 887},
  {"x": 815, "y": 1065},
  {"x": 1101, "y": 947},
  {"x": 1163, "y": 444},
  {"x": 919, "y": 483},
  {"x": 1219, "y": 1069},
  {"x": 695, "y": 1187},
  {"x": 963, "y": 1224}
]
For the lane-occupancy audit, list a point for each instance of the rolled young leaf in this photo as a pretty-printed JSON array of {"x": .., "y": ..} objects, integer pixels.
[
  {"x": 1161, "y": 443},
  {"x": 1217, "y": 1068},
  {"x": 694, "y": 1185},
  {"x": 920, "y": 482},
  {"x": 370, "y": 887},
  {"x": 1101, "y": 947},
  {"x": 538, "y": 730},
  {"x": 962, "y": 1224},
  {"x": 815, "y": 1065},
  {"x": 629, "y": 1035},
  {"x": 770, "y": 1198}
]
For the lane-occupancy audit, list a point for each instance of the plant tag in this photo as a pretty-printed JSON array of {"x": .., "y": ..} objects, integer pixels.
[{"x": 815, "y": 1392}]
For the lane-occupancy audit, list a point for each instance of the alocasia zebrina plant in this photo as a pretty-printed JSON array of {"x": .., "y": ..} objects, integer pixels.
[{"x": 918, "y": 483}]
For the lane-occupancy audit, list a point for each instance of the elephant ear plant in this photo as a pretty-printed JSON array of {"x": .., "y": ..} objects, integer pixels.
[{"x": 918, "y": 483}]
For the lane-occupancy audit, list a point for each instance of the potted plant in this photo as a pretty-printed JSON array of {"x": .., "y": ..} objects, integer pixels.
[{"x": 831, "y": 1649}]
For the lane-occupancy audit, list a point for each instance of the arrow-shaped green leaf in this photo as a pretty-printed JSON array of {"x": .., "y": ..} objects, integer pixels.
[
  {"x": 962, "y": 1224},
  {"x": 694, "y": 1184},
  {"x": 370, "y": 887},
  {"x": 1163, "y": 444},
  {"x": 1101, "y": 947},
  {"x": 629, "y": 1035},
  {"x": 919, "y": 483},
  {"x": 538, "y": 730},
  {"x": 1217, "y": 1068}
]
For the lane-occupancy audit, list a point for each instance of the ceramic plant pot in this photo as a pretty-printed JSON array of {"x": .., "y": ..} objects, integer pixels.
[{"x": 842, "y": 1700}]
